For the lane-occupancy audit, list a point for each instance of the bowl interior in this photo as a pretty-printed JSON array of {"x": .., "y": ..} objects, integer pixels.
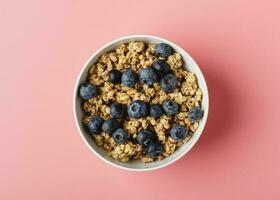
[{"x": 138, "y": 165}]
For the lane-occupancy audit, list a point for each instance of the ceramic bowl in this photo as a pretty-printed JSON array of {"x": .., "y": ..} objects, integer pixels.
[{"x": 138, "y": 165}]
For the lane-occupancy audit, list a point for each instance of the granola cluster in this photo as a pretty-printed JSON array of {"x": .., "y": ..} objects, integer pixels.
[{"x": 138, "y": 55}]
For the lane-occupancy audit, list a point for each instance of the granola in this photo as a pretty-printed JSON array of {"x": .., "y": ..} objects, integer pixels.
[{"x": 136, "y": 56}]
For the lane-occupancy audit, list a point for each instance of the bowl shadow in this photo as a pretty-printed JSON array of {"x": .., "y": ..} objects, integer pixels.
[
  {"x": 223, "y": 107},
  {"x": 222, "y": 116},
  {"x": 221, "y": 110}
]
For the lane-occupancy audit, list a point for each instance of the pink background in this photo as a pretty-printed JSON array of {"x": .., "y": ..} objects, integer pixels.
[{"x": 43, "y": 45}]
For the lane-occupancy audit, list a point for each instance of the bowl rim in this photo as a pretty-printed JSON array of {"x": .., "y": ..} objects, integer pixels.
[{"x": 75, "y": 98}]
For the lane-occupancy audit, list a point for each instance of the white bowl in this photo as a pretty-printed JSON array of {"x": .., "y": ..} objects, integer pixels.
[{"x": 138, "y": 165}]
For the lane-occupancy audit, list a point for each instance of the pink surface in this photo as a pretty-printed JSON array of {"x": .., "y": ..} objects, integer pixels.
[{"x": 43, "y": 45}]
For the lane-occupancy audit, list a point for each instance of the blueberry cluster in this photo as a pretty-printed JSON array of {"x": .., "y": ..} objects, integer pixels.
[
  {"x": 159, "y": 72},
  {"x": 137, "y": 109}
]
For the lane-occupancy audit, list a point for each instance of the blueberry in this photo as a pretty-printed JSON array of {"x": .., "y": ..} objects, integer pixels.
[
  {"x": 195, "y": 114},
  {"x": 161, "y": 68},
  {"x": 88, "y": 91},
  {"x": 115, "y": 76},
  {"x": 170, "y": 107},
  {"x": 117, "y": 110},
  {"x": 94, "y": 125},
  {"x": 146, "y": 137},
  {"x": 110, "y": 125},
  {"x": 120, "y": 136},
  {"x": 168, "y": 82},
  {"x": 129, "y": 78},
  {"x": 178, "y": 132},
  {"x": 137, "y": 109},
  {"x": 148, "y": 76},
  {"x": 163, "y": 50},
  {"x": 154, "y": 149},
  {"x": 155, "y": 111}
]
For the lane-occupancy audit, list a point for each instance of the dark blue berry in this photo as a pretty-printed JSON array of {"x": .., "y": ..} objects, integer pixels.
[
  {"x": 168, "y": 82},
  {"x": 170, "y": 107},
  {"x": 148, "y": 76},
  {"x": 110, "y": 125},
  {"x": 178, "y": 132},
  {"x": 115, "y": 76},
  {"x": 146, "y": 137},
  {"x": 88, "y": 91},
  {"x": 137, "y": 109},
  {"x": 117, "y": 110},
  {"x": 155, "y": 110},
  {"x": 94, "y": 125},
  {"x": 120, "y": 136},
  {"x": 163, "y": 50},
  {"x": 154, "y": 149},
  {"x": 161, "y": 68},
  {"x": 195, "y": 114},
  {"x": 129, "y": 78}
]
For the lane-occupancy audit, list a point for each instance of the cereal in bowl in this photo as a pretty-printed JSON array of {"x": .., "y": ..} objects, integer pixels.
[{"x": 140, "y": 102}]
